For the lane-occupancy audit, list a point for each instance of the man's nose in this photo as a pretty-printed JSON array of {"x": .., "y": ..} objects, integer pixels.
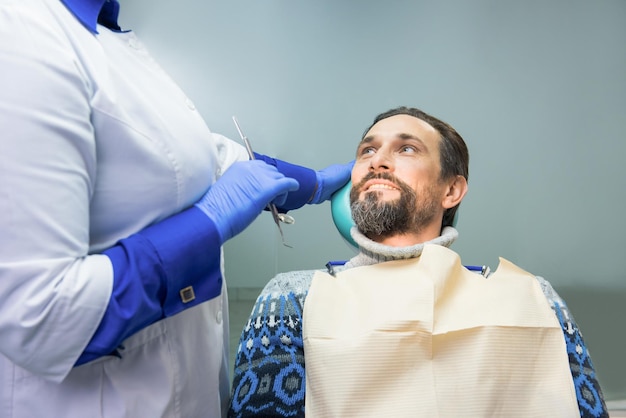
[{"x": 381, "y": 161}]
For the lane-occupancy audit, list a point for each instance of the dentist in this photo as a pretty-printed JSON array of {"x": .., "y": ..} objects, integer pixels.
[{"x": 115, "y": 201}]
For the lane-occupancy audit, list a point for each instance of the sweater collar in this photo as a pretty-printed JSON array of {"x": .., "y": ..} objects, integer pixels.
[
  {"x": 371, "y": 252},
  {"x": 92, "y": 12}
]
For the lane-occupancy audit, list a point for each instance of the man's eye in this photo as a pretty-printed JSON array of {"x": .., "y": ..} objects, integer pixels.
[
  {"x": 408, "y": 148},
  {"x": 368, "y": 151}
]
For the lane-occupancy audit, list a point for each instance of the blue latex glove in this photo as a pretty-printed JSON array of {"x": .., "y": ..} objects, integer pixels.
[
  {"x": 331, "y": 179},
  {"x": 241, "y": 194},
  {"x": 315, "y": 186}
]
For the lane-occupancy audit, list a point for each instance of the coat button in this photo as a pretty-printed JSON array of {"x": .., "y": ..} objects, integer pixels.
[{"x": 134, "y": 43}]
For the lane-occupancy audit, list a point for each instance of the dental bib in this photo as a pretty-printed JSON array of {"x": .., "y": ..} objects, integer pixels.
[{"x": 427, "y": 337}]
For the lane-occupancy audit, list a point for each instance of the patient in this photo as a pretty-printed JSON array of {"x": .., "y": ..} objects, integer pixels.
[{"x": 403, "y": 329}]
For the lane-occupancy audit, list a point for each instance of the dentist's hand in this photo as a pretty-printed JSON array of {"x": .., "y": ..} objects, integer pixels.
[
  {"x": 315, "y": 186},
  {"x": 331, "y": 179},
  {"x": 241, "y": 194}
]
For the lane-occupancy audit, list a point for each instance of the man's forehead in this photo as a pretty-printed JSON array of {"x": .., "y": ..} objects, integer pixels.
[{"x": 402, "y": 126}]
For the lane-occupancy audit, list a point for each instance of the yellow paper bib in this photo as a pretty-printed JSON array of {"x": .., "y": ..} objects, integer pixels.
[{"x": 426, "y": 337}]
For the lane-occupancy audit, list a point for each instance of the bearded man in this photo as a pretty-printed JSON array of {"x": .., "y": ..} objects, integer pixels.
[{"x": 403, "y": 328}]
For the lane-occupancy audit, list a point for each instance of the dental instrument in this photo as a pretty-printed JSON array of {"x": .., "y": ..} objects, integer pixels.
[{"x": 278, "y": 217}]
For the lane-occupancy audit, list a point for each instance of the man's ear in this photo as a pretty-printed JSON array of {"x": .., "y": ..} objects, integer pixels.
[{"x": 455, "y": 191}]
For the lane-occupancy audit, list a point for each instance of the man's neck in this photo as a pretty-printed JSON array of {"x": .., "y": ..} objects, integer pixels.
[{"x": 409, "y": 239}]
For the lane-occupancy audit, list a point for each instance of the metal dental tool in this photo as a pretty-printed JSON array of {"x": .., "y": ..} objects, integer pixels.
[{"x": 278, "y": 217}]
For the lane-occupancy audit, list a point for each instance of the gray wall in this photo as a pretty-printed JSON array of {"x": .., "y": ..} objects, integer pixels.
[{"x": 537, "y": 89}]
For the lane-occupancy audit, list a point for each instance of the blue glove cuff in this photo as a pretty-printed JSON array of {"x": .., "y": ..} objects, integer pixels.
[
  {"x": 317, "y": 197},
  {"x": 188, "y": 245},
  {"x": 306, "y": 177},
  {"x": 158, "y": 272}
]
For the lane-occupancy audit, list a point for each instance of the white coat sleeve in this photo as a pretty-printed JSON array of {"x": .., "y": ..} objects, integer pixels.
[{"x": 52, "y": 293}]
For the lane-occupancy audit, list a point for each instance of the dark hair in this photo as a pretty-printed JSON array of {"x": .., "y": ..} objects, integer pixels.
[{"x": 454, "y": 156}]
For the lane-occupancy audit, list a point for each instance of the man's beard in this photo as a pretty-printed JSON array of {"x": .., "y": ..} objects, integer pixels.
[{"x": 376, "y": 217}]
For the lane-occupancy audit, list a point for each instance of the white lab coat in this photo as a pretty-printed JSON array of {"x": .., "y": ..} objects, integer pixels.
[{"x": 97, "y": 143}]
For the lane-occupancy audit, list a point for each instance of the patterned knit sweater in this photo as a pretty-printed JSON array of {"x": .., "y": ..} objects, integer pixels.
[{"x": 269, "y": 377}]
